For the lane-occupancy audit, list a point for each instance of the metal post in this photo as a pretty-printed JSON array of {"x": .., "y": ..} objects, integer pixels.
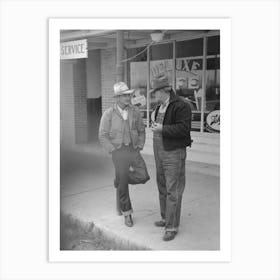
[
  {"x": 148, "y": 87},
  {"x": 203, "y": 83},
  {"x": 174, "y": 67},
  {"x": 120, "y": 51},
  {"x": 125, "y": 65},
  {"x": 119, "y": 78}
]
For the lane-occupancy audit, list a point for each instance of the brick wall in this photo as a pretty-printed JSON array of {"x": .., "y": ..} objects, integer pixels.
[
  {"x": 73, "y": 104},
  {"x": 108, "y": 76},
  {"x": 67, "y": 114}
]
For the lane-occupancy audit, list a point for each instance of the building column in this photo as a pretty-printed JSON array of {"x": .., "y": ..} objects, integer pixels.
[
  {"x": 119, "y": 78},
  {"x": 80, "y": 95},
  {"x": 73, "y": 102},
  {"x": 120, "y": 55},
  {"x": 67, "y": 112},
  {"x": 204, "y": 81}
]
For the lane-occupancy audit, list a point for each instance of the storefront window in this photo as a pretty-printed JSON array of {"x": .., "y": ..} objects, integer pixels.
[
  {"x": 161, "y": 63},
  {"x": 189, "y": 48},
  {"x": 212, "y": 100},
  {"x": 189, "y": 65},
  {"x": 138, "y": 69},
  {"x": 187, "y": 79}
]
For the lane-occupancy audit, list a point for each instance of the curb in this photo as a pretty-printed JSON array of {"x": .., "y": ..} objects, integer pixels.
[
  {"x": 126, "y": 242},
  {"x": 89, "y": 227}
]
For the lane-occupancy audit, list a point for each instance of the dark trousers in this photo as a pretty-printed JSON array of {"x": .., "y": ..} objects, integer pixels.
[
  {"x": 170, "y": 174},
  {"x": 123, "y": 159}
]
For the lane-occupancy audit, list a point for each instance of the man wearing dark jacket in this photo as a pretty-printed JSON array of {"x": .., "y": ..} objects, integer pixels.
[{"x": 171, "y": 124}]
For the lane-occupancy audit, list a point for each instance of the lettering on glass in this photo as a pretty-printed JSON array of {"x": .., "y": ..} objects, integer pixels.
[
  {"x": 188, "y": 73},
  {"x": 161, "y": 67}
]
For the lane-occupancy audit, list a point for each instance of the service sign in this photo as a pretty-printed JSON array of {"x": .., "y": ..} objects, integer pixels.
[{"x": 73, "y": 49}]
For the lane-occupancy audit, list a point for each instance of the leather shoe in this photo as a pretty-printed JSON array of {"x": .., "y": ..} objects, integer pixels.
[
  {"x": 169, "y": 235},
  {"x": 159, "y": 223},
  {"x": 128, "y": 221}
]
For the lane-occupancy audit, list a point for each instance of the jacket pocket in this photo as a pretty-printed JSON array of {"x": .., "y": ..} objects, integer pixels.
[
  {"x": 112, "y": 134},
  {"x": 115, "y": 135}
]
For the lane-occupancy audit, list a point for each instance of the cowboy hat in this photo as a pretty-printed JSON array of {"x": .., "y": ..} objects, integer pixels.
[{"x": 121, "y": 88}]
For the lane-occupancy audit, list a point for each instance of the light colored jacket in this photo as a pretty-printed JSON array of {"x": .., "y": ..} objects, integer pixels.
[{"x": 112, "y": 127}]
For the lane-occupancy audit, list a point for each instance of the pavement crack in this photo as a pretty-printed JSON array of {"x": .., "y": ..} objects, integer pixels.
[{"x": 86, "y": 191}]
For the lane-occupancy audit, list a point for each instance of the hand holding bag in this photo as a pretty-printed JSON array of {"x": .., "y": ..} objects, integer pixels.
[{"x": 140, "y": 174}]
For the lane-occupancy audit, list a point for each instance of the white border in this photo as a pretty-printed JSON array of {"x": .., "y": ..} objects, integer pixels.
[{"x": 224, "y": 255}]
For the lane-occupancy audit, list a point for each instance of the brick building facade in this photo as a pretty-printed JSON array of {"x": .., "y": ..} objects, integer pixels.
[{"x": 76, "y": 102}]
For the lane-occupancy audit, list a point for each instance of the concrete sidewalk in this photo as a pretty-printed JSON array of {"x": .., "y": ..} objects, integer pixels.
[{"x": 88, "y": 194}]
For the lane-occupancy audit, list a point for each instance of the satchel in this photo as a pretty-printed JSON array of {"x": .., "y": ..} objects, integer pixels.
[{"x": 139, "y": 173}]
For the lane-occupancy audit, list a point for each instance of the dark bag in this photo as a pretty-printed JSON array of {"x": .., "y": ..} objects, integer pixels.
[{"x": 139, "y": 174}]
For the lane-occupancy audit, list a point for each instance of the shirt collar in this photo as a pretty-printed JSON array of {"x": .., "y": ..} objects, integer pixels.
[
  {"x": 166, "y": 102},
  {"x": 123, "y": 112},
  {"x": 119, "y": 108}
]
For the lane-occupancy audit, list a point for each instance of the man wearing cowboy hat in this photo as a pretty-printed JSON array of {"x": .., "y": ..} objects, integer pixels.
[
  {"x": 171, "y": 127},
  {"x": 122, "y": 134}
]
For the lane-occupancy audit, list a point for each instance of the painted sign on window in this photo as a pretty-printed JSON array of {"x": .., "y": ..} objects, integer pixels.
[
  {"x": 161, "y": 67},
  {"x": 189, "y": 80},
  {"x": 188, "y": 73}
]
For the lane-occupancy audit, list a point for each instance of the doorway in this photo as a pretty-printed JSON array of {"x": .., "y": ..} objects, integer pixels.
[{"x": 94, "y": 107}]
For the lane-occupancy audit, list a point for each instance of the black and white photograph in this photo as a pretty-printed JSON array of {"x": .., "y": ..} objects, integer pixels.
[{"x": 140, "y": 139}]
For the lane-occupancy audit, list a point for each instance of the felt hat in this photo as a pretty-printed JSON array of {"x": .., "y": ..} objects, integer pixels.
[{"x": 159, "y": 82}]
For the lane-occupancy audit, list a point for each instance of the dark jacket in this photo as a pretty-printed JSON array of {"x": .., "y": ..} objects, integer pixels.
[{"x": 176, "y": 124}]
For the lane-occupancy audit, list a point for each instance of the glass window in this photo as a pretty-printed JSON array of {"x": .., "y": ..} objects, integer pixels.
[
  {"x": 160, "y": 67},
  {"x": 161, "y": 51},
  {"x": 213, "y": 45},
  {"x": 189, "y": 85},
  {"x": 161, "y": 63},
  {"x": 188, "y": 81},
  {"x": 189, "y": 48},
  {"x": 138, "y": 72},
  {"x": 139, "y": 53},
  {"x": 189, "y": 78},
  {"x": 212, "y": 100}
]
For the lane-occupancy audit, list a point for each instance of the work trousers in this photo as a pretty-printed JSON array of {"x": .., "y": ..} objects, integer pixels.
[
  {"x": 124, "y": 158},
  {"x": 170, "y": 174}
]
